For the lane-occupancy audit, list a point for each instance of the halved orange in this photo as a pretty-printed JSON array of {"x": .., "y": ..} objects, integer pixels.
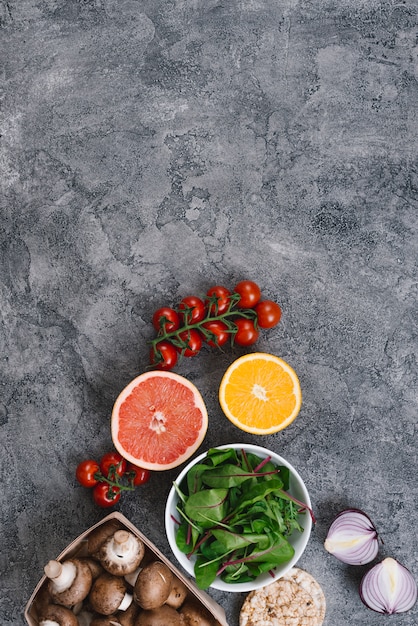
[
  {"x": 260, "y": 393},
  {"x": 159, "y": 420}
]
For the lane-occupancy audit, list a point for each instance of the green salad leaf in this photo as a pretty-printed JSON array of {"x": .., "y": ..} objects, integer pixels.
[{"x": 236, "y": 516}]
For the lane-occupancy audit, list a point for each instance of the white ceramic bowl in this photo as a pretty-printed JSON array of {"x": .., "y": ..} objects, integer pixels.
[{"x": 297, "y": 539}]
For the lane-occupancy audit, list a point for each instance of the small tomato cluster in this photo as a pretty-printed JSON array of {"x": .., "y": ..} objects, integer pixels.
[
  {"x": 109, "y": 477},
  {"x": 223, "y": 314}
]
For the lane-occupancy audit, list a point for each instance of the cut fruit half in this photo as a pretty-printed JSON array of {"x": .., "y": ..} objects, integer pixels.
[
  {"x": 260, "y": 393},
  {"x": 159, "y": 420}
]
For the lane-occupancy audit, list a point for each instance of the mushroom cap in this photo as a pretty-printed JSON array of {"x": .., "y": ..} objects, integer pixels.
[
  {"x": 195, "y": 614},
  {"x": 178, "y": 593},
  {"x": 94, "y": 565},
  {"x": 59, "y": 614},
  {"x": 78, "y": 590},
  {"x": 99, "y": 535},
  {"x": 121, "y": 553},
  {"x": 162, "y": 616},
  {"x": 107, "y": 593},
  {"x": 153, "y": 585}
]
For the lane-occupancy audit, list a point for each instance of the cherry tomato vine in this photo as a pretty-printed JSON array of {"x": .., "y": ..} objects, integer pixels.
[
  {"x": 109, "y": 477},
  {"x": 222, "y": 315}
]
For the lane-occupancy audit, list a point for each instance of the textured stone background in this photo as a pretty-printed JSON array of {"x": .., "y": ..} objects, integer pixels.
[{"x": 150, "y": 149}]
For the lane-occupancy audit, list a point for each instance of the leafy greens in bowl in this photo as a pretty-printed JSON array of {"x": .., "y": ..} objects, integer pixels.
[{"x": 238, "y": 517}]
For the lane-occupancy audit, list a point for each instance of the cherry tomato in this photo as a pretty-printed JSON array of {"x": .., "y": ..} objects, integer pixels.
[
  {"x": 268, "y": 313},
  {"x": 105, "y": 495},
  {"x": 165, "y": 319},
  {"x": 166, "y": 356},
  {"x": 221, "y": 304},
  {"x": 250, "y": 294},
  {"x": 85, "y": 473},
  {"x": 192, "y": 310},
  {"x": 138, "y": 475},
  {"x": 246, "y": 334},
  {"x": 194, "y": 342},
  {"x": 220, "y": 334},
  {"x": 112, "y": 462}
]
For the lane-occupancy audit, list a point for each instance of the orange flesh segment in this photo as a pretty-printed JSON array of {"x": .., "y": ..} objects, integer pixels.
[{"x": 158, "y": 421}]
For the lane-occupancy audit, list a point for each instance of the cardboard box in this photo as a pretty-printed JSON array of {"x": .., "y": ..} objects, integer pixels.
[{"x": 79, "y": 548}]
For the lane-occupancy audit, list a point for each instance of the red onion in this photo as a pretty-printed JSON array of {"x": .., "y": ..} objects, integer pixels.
[
  {"x": 352, "y": 538},
  {"x": 388, "y": 588}
]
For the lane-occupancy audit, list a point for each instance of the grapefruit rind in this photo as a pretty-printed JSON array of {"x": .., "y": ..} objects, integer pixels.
[
  {"x": 135, "y": 437},
  {"x": 235, "y": 418}
]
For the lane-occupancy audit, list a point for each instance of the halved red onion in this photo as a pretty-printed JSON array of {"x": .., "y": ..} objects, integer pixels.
[
  {"x": 352, "y": 538},
  {"x": 388, "y": 588}
]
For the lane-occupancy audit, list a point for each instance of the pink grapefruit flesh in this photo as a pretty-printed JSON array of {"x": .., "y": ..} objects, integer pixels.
[{"x": 159, "y": 420}]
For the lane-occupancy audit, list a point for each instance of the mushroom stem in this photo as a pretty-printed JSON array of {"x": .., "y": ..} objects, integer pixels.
[
  {"x": 126, "y": 602},
  {"x": 131, "y": 578},
  {"x": 63, "y": 574},
  {"x": 124, "y": 543}
]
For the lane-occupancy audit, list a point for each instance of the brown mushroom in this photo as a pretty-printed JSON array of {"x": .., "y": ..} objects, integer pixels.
[
  {"x": 153, "y": 585},
  {"x": 69, "y": 582},
  {"x": 121, "y": 553},
  {"x": 94, "y": 565},
  {"x": 99, "y": 535},
  {"x": 195, "y": 614},
  {"x": 56, "y": 615},
  {"x": 109, "y": 594},
  {"x": 162, "y": 616},
  {"x": 178, "y": 593}
]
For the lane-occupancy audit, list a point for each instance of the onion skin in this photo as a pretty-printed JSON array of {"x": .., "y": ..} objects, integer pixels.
[
  {"x": 352, "y": 538},
  {"x": 388, "y": 588}
]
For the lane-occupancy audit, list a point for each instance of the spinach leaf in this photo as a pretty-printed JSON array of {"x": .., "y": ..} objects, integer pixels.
[
  {"x": 207, "y": 507},
  {"x": 194, "y": 477},
  {"x": 217, "y": 456},
  {"x": 259, "y": 491},
  {"x": 206, "y": 571},
  {"x": 234, "y": 541},
  {"x": 225, "y": 476}
]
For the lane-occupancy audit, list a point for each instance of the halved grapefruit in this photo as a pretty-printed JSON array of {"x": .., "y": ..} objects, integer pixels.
[{"x": 159, "y": 420}]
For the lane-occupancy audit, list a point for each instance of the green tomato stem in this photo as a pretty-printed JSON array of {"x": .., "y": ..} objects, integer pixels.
[
  {"x": 231, "y": 312},
  {"x": 113, "y": 483}
]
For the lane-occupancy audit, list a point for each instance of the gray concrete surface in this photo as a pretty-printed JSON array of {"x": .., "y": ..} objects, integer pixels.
[{"x": 150, "y": 149}]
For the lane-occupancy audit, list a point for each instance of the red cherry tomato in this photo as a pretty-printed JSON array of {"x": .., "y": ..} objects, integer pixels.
[
  {"x": 218, "y": 299},
  {"x": 105, "y": 495},
  {"x": 219, "y": 333},
  {"x": 194, "y": 342},
  {"x": 250, "y": 294},
  {"x": 166, "y": 320},
  {"x": 192, "y": 310},
  {"x": 165, "y": 356},
  {"x": 268, "y": 313},
  {"x": 246, "y": 334},
  {"x": 137, "y": 475},
  {"x": 112, "y": 462},
  {"x": 85, "y": 473}
]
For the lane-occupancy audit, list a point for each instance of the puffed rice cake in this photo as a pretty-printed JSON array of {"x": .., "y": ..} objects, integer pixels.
[{"x": 296, "y": 599}]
